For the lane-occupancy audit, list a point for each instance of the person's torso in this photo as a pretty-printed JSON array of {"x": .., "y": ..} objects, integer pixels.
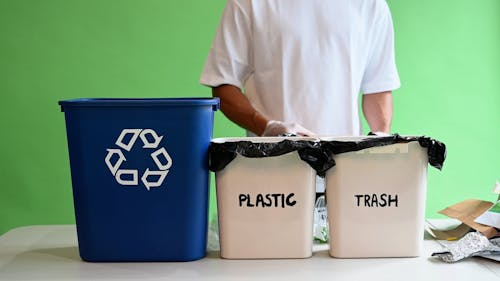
[{"x": 308, "y": 59}]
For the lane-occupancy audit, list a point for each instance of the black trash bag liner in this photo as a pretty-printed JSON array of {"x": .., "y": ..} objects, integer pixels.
[
  {"x": 319, "y": 155},
  {"x": 221, "y": 154},
  {"x": 436, "y": 150}
]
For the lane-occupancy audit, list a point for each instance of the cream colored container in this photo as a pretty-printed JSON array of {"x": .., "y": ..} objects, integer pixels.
[
  {"x": 265, "y": 205},
  {"x": 376, "y": 201}
]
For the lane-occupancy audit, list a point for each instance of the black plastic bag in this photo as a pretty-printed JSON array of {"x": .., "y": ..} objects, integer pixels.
[
  {"x": 221, "y": 154},
  {"x": 318, "y": 154},
  {"x": 436, "y": 150}
]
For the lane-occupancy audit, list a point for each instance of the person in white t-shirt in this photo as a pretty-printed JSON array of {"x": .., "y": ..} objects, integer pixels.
[{"x": 298, "y": 66}]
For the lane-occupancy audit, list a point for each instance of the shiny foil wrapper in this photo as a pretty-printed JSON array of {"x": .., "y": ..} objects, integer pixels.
[{"x": 472, "y": 244}]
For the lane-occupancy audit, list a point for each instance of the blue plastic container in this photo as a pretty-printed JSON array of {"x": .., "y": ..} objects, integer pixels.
[{"x": 140, "y": 177}]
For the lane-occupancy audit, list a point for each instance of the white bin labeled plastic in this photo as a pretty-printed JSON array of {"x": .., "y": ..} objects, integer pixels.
[
  {"x": 265, "y": 204},
  {"x": 376, "y": 200}
]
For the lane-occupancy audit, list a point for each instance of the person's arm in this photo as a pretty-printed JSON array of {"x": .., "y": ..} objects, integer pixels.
[
  {"x": 381, "y": 75},
  {"x": 377, "y": 109},
  {"x": 236, "y": 106}
]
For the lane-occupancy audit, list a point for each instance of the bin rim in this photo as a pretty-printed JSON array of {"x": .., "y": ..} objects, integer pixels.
[
  {"x": 358, "y": 138},
  {"x": 274, "y": 139},
  {"x": 139, "y": 102},
  {"x": 318, "y": 138}
]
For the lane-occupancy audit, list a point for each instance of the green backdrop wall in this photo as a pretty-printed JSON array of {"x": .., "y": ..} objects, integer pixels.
[{"x": 448, "y": 54}]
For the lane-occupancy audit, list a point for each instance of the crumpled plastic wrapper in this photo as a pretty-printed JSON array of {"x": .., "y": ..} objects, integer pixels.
[
  {"x": 320, "y": 229},
  {"x": 213, "y": 243},
  {"x": 472, "y": 244}
]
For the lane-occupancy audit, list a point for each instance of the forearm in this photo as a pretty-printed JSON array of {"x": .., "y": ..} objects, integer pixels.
[
  {"x": 237, "y": 108},
  {"x": 377, "y": 109}
]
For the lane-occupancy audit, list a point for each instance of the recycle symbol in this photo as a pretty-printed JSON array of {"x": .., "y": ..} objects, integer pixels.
[{"x": 133, "y": 175}]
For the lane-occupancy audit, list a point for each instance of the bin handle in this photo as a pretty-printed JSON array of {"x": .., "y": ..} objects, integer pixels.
[{"x": 216, "y": 106}]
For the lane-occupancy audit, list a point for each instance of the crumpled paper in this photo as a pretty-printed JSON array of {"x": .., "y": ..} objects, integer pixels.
[{"x": 472, "y": 244}]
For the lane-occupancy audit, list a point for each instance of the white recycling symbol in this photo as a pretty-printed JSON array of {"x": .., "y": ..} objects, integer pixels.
[{"x": 133, "y": 175}]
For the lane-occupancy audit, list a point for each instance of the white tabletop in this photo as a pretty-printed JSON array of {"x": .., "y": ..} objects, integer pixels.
[{"x": 51, "y": 253}]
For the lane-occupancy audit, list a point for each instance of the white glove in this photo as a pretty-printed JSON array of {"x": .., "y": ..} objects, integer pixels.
[{"x": 277, "y": 128}]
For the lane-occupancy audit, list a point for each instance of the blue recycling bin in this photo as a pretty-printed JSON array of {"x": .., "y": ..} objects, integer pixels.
[{"x": 139, "y": 170}]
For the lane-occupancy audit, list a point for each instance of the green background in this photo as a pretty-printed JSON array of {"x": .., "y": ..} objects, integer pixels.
[{"x": 448, "y": 55}]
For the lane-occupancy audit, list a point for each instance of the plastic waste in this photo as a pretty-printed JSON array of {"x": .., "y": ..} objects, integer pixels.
[
  {"x": 213, "y": 243},
  {"x": 320, "y": 229}
]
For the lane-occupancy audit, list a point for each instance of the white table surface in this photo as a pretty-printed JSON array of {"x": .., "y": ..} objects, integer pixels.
[{"x": 51, "y": 253}]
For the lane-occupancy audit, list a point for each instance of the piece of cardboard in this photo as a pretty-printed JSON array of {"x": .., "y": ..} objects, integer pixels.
[
  {"x": 450, "y": 234},
  {"x": 467, "y": 211}
]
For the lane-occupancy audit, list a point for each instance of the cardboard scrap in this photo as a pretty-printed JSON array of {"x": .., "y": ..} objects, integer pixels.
[
  {"x": 450, "y": 234},
  {"x": 467, "y": 211}
]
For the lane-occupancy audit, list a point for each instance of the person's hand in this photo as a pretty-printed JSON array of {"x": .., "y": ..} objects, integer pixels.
[{"x": 277, "y": 128}]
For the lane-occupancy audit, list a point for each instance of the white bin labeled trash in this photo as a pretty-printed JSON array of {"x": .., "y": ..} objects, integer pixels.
[
  {"x": 376, "y": 194},
  {"x": 265, "y": 195}
]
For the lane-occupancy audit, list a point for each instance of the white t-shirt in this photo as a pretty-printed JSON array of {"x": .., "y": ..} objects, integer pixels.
[{"x": 308, "y": 60}]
